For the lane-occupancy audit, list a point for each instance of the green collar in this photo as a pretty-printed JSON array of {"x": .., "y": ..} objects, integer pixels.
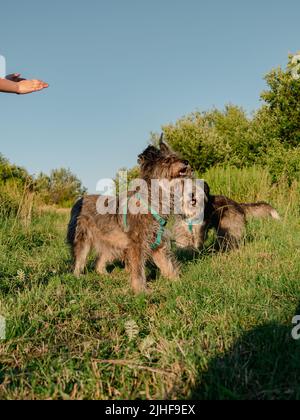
[
  {"x": 191, "y": 223},
  {"x": 161, "y": 221}
]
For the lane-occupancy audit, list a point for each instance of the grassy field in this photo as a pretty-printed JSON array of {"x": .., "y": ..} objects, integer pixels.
[{"x": 222, "y": 332}]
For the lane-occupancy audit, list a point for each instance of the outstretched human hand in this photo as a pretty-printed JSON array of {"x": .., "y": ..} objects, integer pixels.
[
  {"x": 26, "y": 86},
  {"x": 14, "y": 83},
  {"x": 29, "y": 86}
]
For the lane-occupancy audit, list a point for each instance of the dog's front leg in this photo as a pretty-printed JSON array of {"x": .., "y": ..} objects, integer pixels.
[
  {"x": 164, "y": 260},
  {"x": 136, "y": 265}
]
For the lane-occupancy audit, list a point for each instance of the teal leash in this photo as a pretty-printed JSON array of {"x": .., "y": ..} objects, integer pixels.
[
  {"x": 192, "y": 223},
  {"x": 191, "y": 226},
  {"x": 161, "y": 221}
]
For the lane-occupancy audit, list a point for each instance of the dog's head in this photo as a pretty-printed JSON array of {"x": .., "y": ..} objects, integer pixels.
[
  {"x": 163, "y": 163},
  {"x": 195, "y": 203}
]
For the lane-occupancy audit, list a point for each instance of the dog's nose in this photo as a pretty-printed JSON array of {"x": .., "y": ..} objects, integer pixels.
[{"x": 186, "y": 163}]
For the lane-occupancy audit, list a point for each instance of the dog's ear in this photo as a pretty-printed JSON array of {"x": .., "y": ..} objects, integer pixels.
[
  {"x": 206, "y": 190},
  {"x": 161, "y": 139},
  {"x": 150, "y": 155},
  {"x": 164, "y": 148},
  {"x": 141, "y": 159}
]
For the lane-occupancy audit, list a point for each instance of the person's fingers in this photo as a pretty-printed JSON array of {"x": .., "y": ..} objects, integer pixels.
[
  {"x": 39, "y": 84},
  {"x": 45, "y": 84},
  {"x": 29, "y": 86}
]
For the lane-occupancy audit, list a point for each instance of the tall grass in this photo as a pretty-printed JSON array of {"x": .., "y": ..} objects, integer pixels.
[
  {"x": 17, "y": 202},
  {"x": 222, "y": 331},
  {"x": 254, "y": 184}
]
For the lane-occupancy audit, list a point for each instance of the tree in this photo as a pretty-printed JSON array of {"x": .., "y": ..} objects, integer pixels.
[
  {"x": 9, "y": 172},
  {"x": 216, "y": 137},
  {"x": 270, "y": 138},
  {"x": 283, "y": 102},
  {"x": 62, "y": 187}
]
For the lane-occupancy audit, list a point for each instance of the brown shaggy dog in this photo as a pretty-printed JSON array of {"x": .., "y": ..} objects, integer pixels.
[
  {"x": 227, "y": 217},
  {"x": 108, "y": 236}
]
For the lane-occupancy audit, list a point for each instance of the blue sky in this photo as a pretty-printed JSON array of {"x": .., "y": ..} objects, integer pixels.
[{"x": 119, "y": 69}]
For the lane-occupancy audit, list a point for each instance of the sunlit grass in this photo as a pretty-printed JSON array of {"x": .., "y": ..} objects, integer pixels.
[{"x": 223, "y": 331}]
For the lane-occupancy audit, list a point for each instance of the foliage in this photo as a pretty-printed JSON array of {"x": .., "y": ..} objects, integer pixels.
[
  {"x": 62, "y": 187},
  {"x": 12, "y": 172},
  {"x": 18, "y": 190},
  {"x": 283, "y": 103},
  {"x": 270, "y": 137},
  {"x": 211, "y": 138},
  {"x": 284, "y": 163}
]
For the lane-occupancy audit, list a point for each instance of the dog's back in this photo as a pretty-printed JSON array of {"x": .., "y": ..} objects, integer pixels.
[
  {"x": 72, "y": 227},
  {"x": 83, "y": 220},
  {"x": 227, "y": 217},
  {"x": 260, "y": 210}
]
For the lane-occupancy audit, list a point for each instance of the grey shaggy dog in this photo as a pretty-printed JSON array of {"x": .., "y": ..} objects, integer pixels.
[
  {"x": 106, "y": 234},
  {"x": 227, "y": 217}
]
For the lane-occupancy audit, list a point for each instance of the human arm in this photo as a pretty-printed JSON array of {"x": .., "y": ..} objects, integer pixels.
[{"x": 15, "y": 84}]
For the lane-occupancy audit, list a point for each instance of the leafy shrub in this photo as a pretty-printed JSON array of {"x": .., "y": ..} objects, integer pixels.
[
  {"x": 212, "y": 138},
  {"x": 284, "y": 163},
  {"x": 9, "y": 204},
  {"x": 62, "y": 187},
  {"x": 18, "y": 190},
  {"x": 269, "y": 138},
  {"x": 282, "y": 101},
  {"x": 13, "y": 172}
]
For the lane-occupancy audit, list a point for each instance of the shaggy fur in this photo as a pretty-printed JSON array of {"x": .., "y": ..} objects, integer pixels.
[
  {"x": 111, "y": 240},
  {"x": 227, "y": 217}
]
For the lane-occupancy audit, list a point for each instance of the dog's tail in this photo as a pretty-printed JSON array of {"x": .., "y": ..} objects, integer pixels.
[
  {"x": 72, "y": 227},
  {"x": 260, "y": 210}
]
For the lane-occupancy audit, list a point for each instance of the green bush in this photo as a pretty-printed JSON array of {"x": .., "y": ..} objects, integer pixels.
[
  {"x": 282, "y": 101},
  {"x": 61, "y": 188},
  {"x": 13, "y": 172},
  {"x": 269, "y": 138},
  {"x": 284, "y": 163},
  {"x": 9, "y": 204},
  {"x": 215, "y": 137}
]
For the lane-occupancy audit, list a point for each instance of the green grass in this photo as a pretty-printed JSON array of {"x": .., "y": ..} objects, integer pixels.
[{"x": 222, "y": 332}]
